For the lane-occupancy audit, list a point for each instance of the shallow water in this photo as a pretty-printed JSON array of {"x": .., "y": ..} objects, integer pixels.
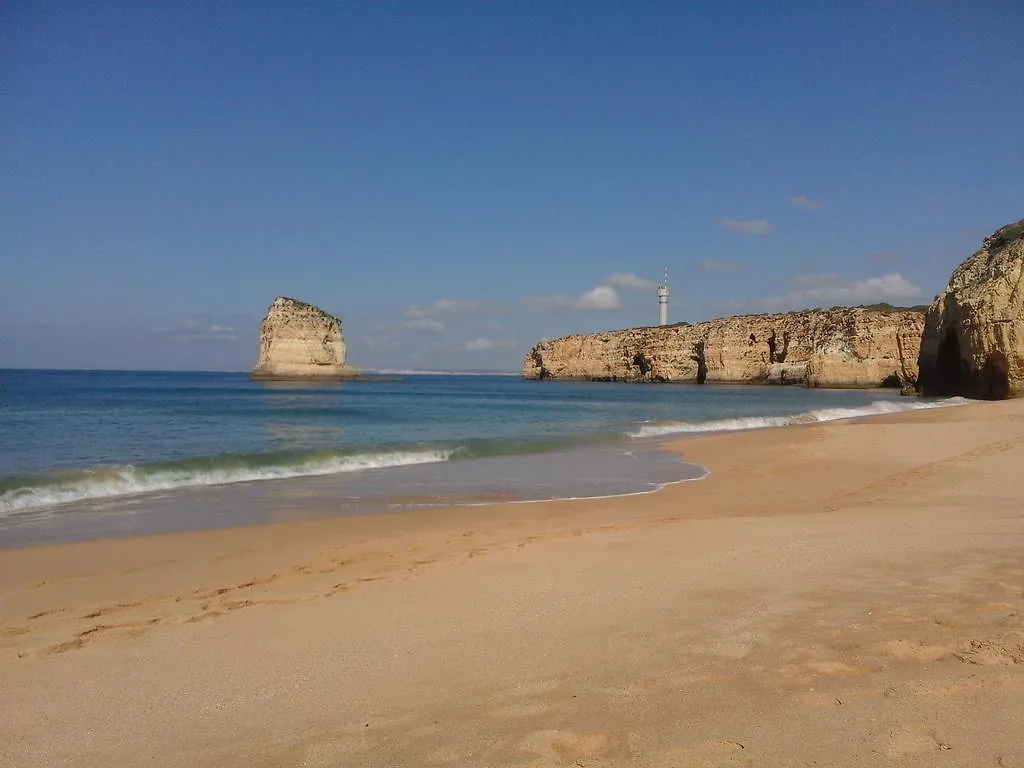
[
  {"x": 587, "y": 472},
  {"x": 87, "y": 454}
]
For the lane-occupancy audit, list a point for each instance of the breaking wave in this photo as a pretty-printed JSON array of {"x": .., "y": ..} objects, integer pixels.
[
  {"x": 808, "y": 417},
  {"x": 24, "y": 493},
  {"x": 19, "y": 494}
]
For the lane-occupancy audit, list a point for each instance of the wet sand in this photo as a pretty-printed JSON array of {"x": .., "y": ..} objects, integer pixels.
[
  {"x": 844, "y": 594},
  {"x": 590, "y": 471}
]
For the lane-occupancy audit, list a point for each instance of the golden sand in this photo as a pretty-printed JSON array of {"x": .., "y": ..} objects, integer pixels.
[{"x": 846, "y": 594}]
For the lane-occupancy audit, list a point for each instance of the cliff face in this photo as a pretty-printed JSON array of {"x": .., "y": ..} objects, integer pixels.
[
  {"x": 817, "y": 348},
  {"x": 973, "y": 341},
  {"x": 299, "y": 341}
]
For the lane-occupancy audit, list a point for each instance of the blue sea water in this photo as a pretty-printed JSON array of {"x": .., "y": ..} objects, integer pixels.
[{"x": 86, "y": 454}]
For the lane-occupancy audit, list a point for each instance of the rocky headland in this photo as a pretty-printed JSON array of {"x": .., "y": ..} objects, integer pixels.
[
  {"x": 300, "y": 341},
  {"x": 973, "y": 343},
  {"x": 843, "y": 348}
]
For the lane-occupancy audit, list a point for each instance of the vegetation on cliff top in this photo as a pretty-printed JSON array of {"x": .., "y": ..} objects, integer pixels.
[
  {"x": 886, "y": 307},
  {"x": 1005, "y": 235},
  {"x": 303, "y": 305},
  {"x": 880, "y": 307}
]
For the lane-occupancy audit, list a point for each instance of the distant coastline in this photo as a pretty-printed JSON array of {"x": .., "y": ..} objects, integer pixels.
[{"x": 417, "y": 372}]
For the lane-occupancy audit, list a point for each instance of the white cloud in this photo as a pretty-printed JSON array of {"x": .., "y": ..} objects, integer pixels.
[
  {"x": 829, "y": 287},
  {"x": 819, "y": 289},
  {"x": 428, "y": 318},
  {"x": 603, "y": 297},
  {"x": 481, "y": 345},
  {"x": 807, "y": 203},
  {"x": 441, "y": 307},
  {"x": 631, "y": 282},
  {"x": 718, "y": 265},
  {"x": 425, "y": 324},
  {"x": 416, "y": 312},
  {"x": 198, "y": 329},
  {"x": 759, "y": 227},
  {"x": 557, "y": 301}
]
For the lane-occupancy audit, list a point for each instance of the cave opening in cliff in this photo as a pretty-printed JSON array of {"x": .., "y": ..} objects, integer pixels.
[
  {"x": 697, "y": 355},
  {"x": 995, "y": 377},
  {"x": 643, "y": 364},
  {"x": 950, "y": 376}
]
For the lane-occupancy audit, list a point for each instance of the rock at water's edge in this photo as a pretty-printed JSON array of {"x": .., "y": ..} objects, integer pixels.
[
  {"x": 300, "y": 341},
  {"x": 850, "y": 348},
  {"x": 973, "y": 343}
]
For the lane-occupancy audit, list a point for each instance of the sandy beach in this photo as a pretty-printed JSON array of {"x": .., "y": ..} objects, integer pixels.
[{"x": 844, "y": 594}]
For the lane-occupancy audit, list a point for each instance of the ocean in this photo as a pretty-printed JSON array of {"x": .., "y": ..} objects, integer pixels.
[{"x": 88, "y": 454}]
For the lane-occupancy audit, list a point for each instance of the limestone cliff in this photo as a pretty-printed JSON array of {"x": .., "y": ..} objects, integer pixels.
[
  {"x": 973, "y": 341},
  {"x": 818, "y": 348},
  {"x": 300, "y": 341}
]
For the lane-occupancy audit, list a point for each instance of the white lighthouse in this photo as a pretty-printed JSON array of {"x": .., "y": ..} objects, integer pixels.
[{"x": 663, "y": 301}]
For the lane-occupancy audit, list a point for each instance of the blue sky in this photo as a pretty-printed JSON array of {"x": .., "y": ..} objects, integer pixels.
[{"x": 458, "y": 180}]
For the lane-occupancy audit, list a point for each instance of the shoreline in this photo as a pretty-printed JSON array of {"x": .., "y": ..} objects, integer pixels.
[
  {"x": 497, "y": 513},
  {"x": 877, "y": 562},
  {"x": 587, "y": 472},
  {"x": 375, "y": 481},
  {"x": 720, "y": 383}
]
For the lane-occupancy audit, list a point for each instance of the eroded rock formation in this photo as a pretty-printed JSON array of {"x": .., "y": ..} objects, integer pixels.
[
  {"x": 818, "y": 348},
  {"x": 973, "y": 342},
  {"x": 300, "y": 341}
]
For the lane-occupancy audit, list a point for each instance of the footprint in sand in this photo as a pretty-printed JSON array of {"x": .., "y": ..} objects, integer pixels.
[
  {"x": 908, "y": 650},
  {"x": 568, "y": 746},
  {"x": 959, "y": 688},
  {"x": 911, "y": 740},
  {"x": 106, "y": 609},
  {"x": 1002, "y": 651}
]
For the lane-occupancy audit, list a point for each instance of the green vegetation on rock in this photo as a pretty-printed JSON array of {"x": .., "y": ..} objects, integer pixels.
[
  {"x": 1006, "y": 235},
  {"x": 886, "y": 307}
]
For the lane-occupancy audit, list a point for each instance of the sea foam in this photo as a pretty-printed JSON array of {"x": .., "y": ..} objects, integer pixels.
[
  {"x": 807, "y": 417},
  {"x": 108, "y": 482},
  {"x": 53, "y": 489}
]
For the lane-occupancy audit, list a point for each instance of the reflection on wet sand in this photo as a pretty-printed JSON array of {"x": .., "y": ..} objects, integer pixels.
[{"x": 591, "y": 472}]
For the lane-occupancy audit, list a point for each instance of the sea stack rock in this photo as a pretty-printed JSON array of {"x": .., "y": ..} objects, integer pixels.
[
  {"x": 842, "y": 348},
  {"x": 300, "y": 341},
  {"x": 973, "y": 342}
]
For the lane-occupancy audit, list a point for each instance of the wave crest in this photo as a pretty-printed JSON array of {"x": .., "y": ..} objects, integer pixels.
[
  {"x": 108, "y": 482},
  {"x": 741, "y": 423}
]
